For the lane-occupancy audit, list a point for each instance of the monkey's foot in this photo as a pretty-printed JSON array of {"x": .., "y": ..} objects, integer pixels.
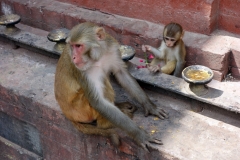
[
  {"x": 154, "y": 68},
  {"x": 127, "y": 108},
  {"x": 115, "y": 139}
]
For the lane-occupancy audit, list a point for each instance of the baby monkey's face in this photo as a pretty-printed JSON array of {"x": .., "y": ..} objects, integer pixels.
[{"x": 169, "y": 41}]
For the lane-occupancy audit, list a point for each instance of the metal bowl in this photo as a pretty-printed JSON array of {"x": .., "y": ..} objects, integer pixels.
[
  {"x": 197, "y": 78},
  {"x": 9, "y": 19},
  {"x": 127, "y": 52},
  {"x": 58, "y": 35}
]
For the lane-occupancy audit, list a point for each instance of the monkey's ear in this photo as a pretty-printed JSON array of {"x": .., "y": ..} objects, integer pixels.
[
  {"x": 100, "y": 33},
  {"x": 182, "y": 35}
]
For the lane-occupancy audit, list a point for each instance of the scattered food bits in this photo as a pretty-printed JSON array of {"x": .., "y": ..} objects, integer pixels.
[
  {"x": 138, "y": 67},
  {"x": 153, "y": 131}
]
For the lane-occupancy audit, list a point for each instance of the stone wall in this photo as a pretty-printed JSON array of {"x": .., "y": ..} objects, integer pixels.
[{"x": 201, "y": 16}]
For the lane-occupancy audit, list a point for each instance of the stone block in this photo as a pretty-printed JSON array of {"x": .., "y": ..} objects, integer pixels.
[
  {"x": 235, "y": 72},
  {"x": 11, "y": 151},
  {"x": 215, "y": 53},
  {"x": 21, "y": 9},
  {"x": 56, "y": 150},
  {"x": 51, "y": 19},
  {"x": 235, "y": 56},
  {"x": 229, "y": 23},
  {"x": 231, "y": 9}
]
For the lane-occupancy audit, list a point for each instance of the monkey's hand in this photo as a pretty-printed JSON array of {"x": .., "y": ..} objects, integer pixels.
[
  {"x": 146, "y": 48},
  {"x": 146, "y": 141},
  {"x": 152, "y": 109},
  {"x": 154, "y": 68}
]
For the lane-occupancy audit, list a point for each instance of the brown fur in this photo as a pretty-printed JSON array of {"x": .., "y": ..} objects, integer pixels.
[
  {"x": 76, "y": 107},
  {"x": 170, "y": 56},
  {"x": 85, "y": 94}
]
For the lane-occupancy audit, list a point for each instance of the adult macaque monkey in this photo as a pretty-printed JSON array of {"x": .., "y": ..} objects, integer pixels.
[
  {"x": 170, "y": 56},
  {"x": 84, "y": 92}
]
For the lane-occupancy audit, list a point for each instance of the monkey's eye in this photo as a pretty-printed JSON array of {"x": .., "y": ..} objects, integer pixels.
[
  {"x": 78, "y": 45},
  {"x": 169, "y": 39},
  {"x": 166, "y": 38}
]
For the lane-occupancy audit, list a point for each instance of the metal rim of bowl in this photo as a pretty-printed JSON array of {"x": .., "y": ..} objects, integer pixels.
[
  {"x": 51, "y": 34},
  {"x": 197, "y": 81},
  {"x": 6, "y": 23},
  {"x": 128, "y": 57}
]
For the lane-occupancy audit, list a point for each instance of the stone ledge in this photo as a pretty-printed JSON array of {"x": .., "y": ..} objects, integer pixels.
[
  {"x": 226, "y": 98},
  {"x": 50, "y": 15},
  {"x": 214, "y": 97},
  {"x": 26, "y": 94}
]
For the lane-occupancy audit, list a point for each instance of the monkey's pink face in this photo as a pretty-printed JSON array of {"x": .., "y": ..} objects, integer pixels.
[
  {"x": 77, "y": 54},
  {"x": 169, "y": 41}
]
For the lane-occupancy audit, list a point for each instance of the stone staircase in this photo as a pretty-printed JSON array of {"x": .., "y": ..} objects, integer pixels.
[
  {"x": 219, "y": 51},
  {"x": 33, "y": 127}
]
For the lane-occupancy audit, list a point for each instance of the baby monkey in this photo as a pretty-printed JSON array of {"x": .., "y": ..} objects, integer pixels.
[{"x": 170, "y": 56}]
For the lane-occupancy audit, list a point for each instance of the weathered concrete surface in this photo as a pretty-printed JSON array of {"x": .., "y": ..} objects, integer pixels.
[
  {"x": 26, "y": 93},
  {"x": 26, "y": 39},
  {"x": 12, "y": 151}
]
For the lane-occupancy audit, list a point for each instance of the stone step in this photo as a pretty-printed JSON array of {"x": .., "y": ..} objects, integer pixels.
[
  {"x": 219, "y": 51},
  {"x": 224, "y": 97}
]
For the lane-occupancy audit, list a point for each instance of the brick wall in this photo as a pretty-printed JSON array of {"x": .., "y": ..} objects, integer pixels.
[
  {"x": 201, "y": 16},
  {"x": 235, "y": 59},
  {"x": 229, "y": 17},
  {"x": 189, "y": 13}
]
